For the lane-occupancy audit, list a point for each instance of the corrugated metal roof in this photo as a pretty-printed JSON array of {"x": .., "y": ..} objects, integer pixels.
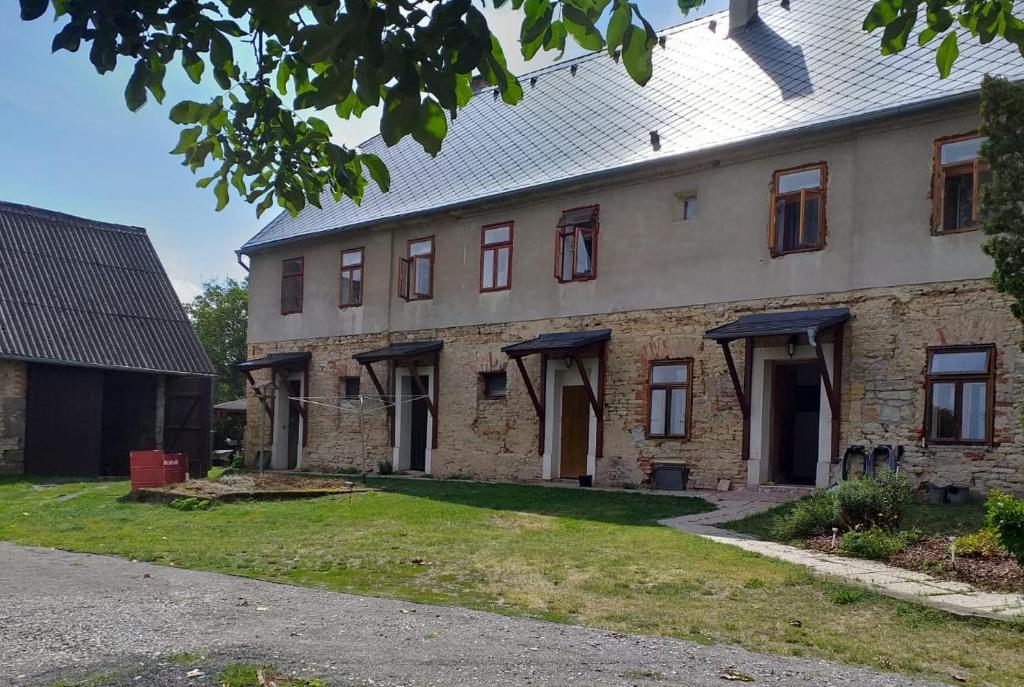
[
  {"x": 805, "y": 67},
  {"x": 558, "y": 341},
  {"x": 82, "y": 292},
  {"x": 779, "y": 324}
]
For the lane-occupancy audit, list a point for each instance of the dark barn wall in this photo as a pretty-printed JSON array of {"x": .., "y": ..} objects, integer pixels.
[{"x": 64, "y": 420}]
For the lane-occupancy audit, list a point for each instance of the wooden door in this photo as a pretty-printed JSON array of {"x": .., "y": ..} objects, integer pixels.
[{"x": 575, "y": 431}]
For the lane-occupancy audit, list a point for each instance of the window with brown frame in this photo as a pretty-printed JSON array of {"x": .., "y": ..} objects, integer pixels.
[
  {"x": 798, "y": 209},
  {"x": 961, "y": 382},
  {"x": 291, "y": 286},
  {"x": 496, "y": 257},
  {"x": 960, "y": 172},
  {"x": 416, "y": 272},
  {"x": 351, "y": 281},
  {"x": 668, "y": 401},
  {"x": 576, "y": 245}
]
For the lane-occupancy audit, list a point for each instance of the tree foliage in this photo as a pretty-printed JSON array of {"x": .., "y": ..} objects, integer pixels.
[
  {"x": 219, "y": 316},
  {"x": 1002, "y": 121},
  {"x": 278, "y": 62}
]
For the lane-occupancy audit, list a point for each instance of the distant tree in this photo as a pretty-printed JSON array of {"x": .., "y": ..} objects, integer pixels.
[
  {"x": 414, "y": 58},
  {"x": 219, "y": 316},
  {"x": 1002, "y": 201}
]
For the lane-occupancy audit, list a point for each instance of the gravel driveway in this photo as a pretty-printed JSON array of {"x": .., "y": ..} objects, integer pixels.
[{"x": 74, "y": 615}]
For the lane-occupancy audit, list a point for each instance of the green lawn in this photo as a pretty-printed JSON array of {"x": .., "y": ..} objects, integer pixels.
[
  {"x": 933, "y": 519},
  {"x": 577, "y": 556}
]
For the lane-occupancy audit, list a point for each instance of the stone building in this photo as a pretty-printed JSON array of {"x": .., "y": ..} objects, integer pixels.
[{"x": 767, "y": 254}]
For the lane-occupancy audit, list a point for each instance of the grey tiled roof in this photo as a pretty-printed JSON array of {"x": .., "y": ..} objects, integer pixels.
[
  {"x": 81, "y": 292},
  {"x": 779, "y": 323},
  {"x": 805, "y": 67}
]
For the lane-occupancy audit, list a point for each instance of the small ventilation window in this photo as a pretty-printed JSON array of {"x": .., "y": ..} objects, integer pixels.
[
  {"x": 350, "y": 387},
  {"x": 495, "y": 385}
]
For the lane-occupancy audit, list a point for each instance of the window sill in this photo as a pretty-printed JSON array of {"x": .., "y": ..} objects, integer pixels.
[
  {"x": 953, "y": 232},
  {"x": 666, "y": 437},
  {"x": 349, "y": 307},
  {"x": 576, "y": 280},
  {"x": 798, "y": 251},
  {"x": 503, "y": 288}
]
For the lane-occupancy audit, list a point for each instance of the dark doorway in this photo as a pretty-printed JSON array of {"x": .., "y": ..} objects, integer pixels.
[
  {"x": 129, "y": 419},
  {"x": 796, "y": 408},
  {"x": 575, "y": 432},
  {"x": 294, "y": 436},
  {"x": 418, "y": 427}
]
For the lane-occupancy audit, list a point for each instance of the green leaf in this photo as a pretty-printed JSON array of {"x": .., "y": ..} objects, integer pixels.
[
  {"x": 401, "y": 114},
  {"x": 135, "y": 91},
  {"x": 378, "y": 171},
  {"x": 221, "y": 192},
  {"x": 319, "y": 42},
  {"x": 947, "y": 53},
  {"x": 186, "y": 140},
  {"x": 187, "y": 112},
  {"x": 33, "y": 9},
  {"x": 636, "y": 55},
  {"x": 617, "y": 25},
  {"x": 194, "y": 66},
  {"x": 431, "y": 128}
]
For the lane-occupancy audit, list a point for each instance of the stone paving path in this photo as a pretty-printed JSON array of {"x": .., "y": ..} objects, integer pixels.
[{"x": 955, "y": 597}]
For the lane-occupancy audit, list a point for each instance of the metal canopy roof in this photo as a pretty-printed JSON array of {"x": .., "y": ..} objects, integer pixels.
[
  {"x": 298, "y": 359},
  {"x": 794, "y": 70},
  {"x": 75, "y": 291},
  {"x": 562, "y": 342},
  {"x": 399, "y": 351},
  {"x": 779, "y": 324}
]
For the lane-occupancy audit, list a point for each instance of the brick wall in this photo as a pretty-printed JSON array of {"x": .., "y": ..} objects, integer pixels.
[
  {"x": 883, "y": 390},
  {"x": 13, "y": 386}
]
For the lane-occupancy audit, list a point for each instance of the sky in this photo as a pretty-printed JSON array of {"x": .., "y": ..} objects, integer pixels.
[{"x": 68, "y": 143}]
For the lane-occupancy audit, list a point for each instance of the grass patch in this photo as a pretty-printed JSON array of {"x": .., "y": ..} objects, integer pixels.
[
  {"x": 185, "y": 658},
  {"x": 588, "y": 557},
  {"x": 261, "y": 675}
]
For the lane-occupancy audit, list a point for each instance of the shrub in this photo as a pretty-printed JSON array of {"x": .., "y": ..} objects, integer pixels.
[
  {"x": 190, "y": 503},
  {"x": 384, "y": 467},
  {"x": 868, "y": 502},
  {"x": 876, "y": 543},
  {"x": 1005, "y": 516},
  {"x": 810, "y": 516},
  {"x": 983, "y": 544}
]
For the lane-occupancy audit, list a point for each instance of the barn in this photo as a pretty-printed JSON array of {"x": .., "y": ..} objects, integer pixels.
[{"x": 97, "y": 356}]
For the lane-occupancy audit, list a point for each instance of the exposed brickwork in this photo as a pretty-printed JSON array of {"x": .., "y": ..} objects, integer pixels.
[
  {"x": 13, "y": 385},
  {"x": 883, "y": 390}
]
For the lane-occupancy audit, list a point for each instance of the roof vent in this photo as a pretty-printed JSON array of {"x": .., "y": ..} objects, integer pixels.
[
  {"x": 784, "y": 4},
  {"x": 496, "y": 93},
  {"x": 655, "y": 140},
  {"x": 533, "y": 82},
  {"x": 477, "y": 82},
  {"x": 573, "y": 68},
  {"x": 713, "y": 25},
  {"x": 741, "y": 14}
]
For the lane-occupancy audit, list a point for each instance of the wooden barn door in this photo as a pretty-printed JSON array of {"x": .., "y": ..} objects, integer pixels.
[{"x": 187, "y": 421}]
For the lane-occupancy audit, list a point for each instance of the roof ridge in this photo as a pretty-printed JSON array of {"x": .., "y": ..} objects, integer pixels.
[{"x": 44, "y": 213}]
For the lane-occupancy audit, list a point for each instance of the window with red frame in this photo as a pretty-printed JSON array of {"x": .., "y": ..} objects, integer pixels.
[
  {"x": 961, "y": 381},
  {"x": 960, "y": 172},
  {"x": 576, "y": 245},
  {"x": 351, "y": 278},
  {"x": 416, "y": 272},
  {"x": 496, "y": 257},
  {"x": 291, "y": 286}
]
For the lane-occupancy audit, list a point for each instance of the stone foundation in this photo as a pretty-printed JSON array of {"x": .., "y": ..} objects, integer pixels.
[
  {"x": 882, "y": 389},
  {"x": 13, "y": 387}
]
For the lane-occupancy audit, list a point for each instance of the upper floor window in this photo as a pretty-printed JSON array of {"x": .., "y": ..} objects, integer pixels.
[
  {"x": 960, "y": 172},
  {"x": 291, "y": 286},
  {"x": 351, "y": 278},
  {"x": 669, "y": 399},
  {"x": 798, "y": 209},
  {"x": 416, "y": 272},
  {"x": 960, "y": 388},
  {"x": 496, "y": 257},
  {"x": 576, "y": 245}
]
